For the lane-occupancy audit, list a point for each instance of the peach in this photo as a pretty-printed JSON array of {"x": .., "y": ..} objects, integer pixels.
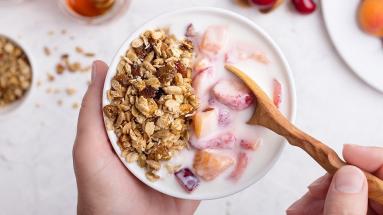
[
  {"x": 371, "y": 17},
  {"x": 209, "y": 164},
  {"x": 205, "y": 122}
]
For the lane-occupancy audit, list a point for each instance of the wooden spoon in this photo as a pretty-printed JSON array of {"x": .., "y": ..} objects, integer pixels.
[{"x": 267, "y": 115}]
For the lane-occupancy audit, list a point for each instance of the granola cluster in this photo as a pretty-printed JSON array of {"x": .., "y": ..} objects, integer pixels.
[
  {"x": 15, "y": 72},
  {"x": 152, "y": 100}
]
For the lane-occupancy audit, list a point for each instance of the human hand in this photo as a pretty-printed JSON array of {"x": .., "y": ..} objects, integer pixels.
[
  {"x": 346, "y": 191},
  {"x": 104, "y": 185}
]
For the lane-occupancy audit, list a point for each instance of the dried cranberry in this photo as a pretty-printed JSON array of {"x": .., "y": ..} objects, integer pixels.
[
  {"x": 141, "y": 52},
  {"x": 122, "y": 79},
  {"x": 148, "y": 92},
  {"x": 159, "y": 93},
  {"x": 136, "y": 70},
  {"x": 187, "y": 179},
  {"x": 166, "y": 73},
  {"x": 181, "y": 69}
]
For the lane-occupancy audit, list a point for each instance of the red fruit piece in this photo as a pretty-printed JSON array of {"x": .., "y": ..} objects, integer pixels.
[
  {"x": 240, "y": 167},
  {"x": 277, "y": 93},
  {"x": 187, "y": 179},
  {"x": 233, "y": 94},
  {"x": 250, "y": 144},
  {"x": 222, "y": 141},
  {"x": 224, "y": 117},
  {"x": 304, "y": 6},
  {"x": 263, "y": 2},
  {"x": 209, "y": 164}
]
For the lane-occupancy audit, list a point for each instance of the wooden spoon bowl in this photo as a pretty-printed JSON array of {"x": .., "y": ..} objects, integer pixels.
[{"x": 266, "y": 114}]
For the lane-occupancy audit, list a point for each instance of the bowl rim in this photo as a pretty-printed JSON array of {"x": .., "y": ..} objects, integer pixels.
[
  {"x": 273, "y": 44},
  {"x": 19, "y": 103}
]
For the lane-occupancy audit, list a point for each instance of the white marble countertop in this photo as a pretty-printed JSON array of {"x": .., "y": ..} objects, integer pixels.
[{"x": 36, "y": 175}]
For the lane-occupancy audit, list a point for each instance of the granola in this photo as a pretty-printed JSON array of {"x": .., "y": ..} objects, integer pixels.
[
  {"x": 15, "y": 72},
  {"x": 152, "y": 100}
]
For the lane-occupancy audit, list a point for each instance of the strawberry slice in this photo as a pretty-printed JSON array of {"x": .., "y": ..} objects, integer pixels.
[
  {"x": 209, "y": 164},
  {"x": 222, "y": 141},
  {"x": 233, "y": 94},
  {"x": 240, "y": 167},
  {"x": 250, "y": 144},
  {"x": 277, "y": 93}
]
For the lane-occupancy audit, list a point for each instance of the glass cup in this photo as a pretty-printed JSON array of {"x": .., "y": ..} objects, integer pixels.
[{"x": 93, "y": 11}]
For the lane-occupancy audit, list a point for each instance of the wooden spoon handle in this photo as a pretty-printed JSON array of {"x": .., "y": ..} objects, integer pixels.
[
  {"x": 321, "y": 153},
  {"x": 267, "y": 115}
]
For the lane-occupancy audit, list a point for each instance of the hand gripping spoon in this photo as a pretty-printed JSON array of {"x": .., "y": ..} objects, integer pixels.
[{"x": 266, "y": 114}]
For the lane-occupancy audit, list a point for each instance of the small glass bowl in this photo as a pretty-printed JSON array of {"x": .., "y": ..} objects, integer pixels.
[{"x": 117, "y": 9}]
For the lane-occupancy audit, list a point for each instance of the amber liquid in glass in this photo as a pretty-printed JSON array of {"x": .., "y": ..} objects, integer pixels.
[{"x": 90, "y": 8}]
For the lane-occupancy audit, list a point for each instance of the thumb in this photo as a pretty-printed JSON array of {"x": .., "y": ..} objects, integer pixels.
[
  {"x": 90, "y": 118},
  {"x": 91, "y": 140},
  {"x": 347, "y": 193}
]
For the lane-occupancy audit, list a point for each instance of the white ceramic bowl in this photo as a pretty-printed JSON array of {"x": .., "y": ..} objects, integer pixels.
[
  {"x": 11, "y": 108},
  {"x": 270, "y": 150}
]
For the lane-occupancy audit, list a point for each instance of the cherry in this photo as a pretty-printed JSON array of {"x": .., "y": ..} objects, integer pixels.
[
  {"x": 262, "y": 2},
  {"x": 304, "y": 6}
]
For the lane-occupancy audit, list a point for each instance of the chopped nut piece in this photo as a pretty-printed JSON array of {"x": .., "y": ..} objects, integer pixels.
[
  {"x": 70, "y": 91},
  {"x": 60, "y": 69},
  {"x": 47, "y": 51},
  {"x": 75, "y": 105},
  {"x": 50, "y": 77}
]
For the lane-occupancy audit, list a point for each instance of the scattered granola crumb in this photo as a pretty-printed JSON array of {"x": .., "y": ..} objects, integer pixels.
[
  {"x": 37, "y": 105},
  {"x": 79, "y": 50},
  {"x": 63, "y": 31},
  {"x": 60, "y": 69},
  {"x": 50, "y": 77},
  {"x": 38, "y": 83},
  {"x": 75, "y": 105},
  {"x": 59, "y": 102},
  {"x": 47, "y": 51},
  {"x": 89, "y": 54},
  {"x": 50, "y": 33},
  {"x": 49, "y": 90},
  {"x": 70, "y": 91}
]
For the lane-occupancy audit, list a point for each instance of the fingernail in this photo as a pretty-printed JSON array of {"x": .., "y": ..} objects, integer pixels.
[
  {"x": 319, "y": 181},
  {"x": 349, "y": 179},
  {"x": 94, "y": 69}
]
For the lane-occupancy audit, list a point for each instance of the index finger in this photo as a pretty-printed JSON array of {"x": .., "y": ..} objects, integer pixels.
[{"x": 369, "y": 159}]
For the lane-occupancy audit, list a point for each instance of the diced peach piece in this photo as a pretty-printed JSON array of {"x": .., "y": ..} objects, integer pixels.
[
  {"x": 203, "y": 81},
  {"x": 260, "y": 57},
  {"x": 250, "y": 144},
  {"x": 202, "y": 64},
  {"x": 221, "y": 141},
  {"x": 240, "y": 167},
  {"x": 277, "y": 93},
  {"x": 213, "y": 40},
  {"x": 209, "y": 164},
  {"x": 205, "y": 122},
  {"x": 233, "y": 94}
]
